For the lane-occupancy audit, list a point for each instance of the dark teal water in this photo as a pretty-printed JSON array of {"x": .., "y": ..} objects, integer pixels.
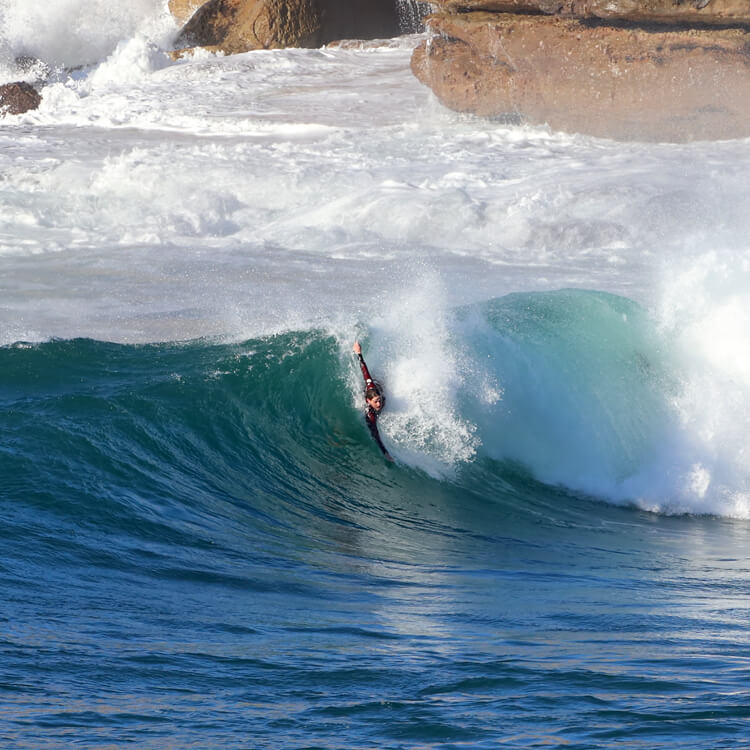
[{"x": 201, "y": 547}]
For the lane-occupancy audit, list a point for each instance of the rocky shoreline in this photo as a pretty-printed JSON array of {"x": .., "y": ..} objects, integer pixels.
[
  {"x": 236, "y": 26},
  {"x": 654, "y": 70}
]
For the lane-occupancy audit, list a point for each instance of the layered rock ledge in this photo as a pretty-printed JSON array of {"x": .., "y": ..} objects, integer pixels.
[
  {"x": 693, "y": 12},
  {"x": 657, "y": 70}
]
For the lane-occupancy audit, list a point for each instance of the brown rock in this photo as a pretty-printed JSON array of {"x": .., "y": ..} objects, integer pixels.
[
  {"x": 233, "y": 26},
  {"x": 690, "y": 12},
  {"x": 502, "y": 6},
  {"x": 623, "y": 83},
  {"x": 17, "y": 98},
  {"x": 183, "y": 10},
  {"x": 686, "y": 12}
]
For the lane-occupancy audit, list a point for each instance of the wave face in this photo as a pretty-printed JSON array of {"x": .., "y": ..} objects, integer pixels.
[
  {"x": 586, "y": 385},
  {"x": 146, "y": 420}
]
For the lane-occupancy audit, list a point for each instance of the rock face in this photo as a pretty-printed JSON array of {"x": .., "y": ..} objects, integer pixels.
[
  {"x": 233, "y": 26},
  {"x": 712, "y": 12},
  {"x": 182, "y": 10},
  {"x": 625, "y": 80},
  {"x": 17, "y": 98}
]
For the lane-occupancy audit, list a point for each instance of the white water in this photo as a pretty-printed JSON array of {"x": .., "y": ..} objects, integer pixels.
[{"x": 150, "y": 200}]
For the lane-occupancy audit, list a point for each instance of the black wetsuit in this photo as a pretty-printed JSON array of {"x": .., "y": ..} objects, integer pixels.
[{"x": 371, "y": 416}]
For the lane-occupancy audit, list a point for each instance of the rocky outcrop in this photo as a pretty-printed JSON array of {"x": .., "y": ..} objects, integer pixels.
[
  {"x": 17, "y": 98},
  {"x": 625, "y": 79},
  {"x": 233, "y": 26}
]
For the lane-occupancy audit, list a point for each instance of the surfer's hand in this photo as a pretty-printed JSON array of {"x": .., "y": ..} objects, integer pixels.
[{"x": 357, "y": 349}]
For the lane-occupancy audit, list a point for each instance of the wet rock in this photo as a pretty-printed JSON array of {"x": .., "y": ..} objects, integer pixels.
[
  {"x": 17, "y": 98},
  {"x": 183, "y": 10},
  {"x": 611, "y": 81},
  {"x": 233, "y": 26}
]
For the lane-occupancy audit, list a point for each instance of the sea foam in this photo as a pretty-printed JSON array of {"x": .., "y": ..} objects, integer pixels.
[{"x": 705, "y": 310}]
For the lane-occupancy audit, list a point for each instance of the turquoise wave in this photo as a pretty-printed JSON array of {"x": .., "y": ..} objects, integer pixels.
[{"x": 580, "y": 385}]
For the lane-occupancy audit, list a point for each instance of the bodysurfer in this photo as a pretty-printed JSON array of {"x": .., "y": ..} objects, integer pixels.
[{"x": 374, "y": 401}]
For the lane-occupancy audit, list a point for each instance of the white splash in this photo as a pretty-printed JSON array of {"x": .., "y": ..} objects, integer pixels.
[
  {"x": 424, "y": 370},
  {"x": 71, "y": 33},
  {"x": 706, "y": 312}
]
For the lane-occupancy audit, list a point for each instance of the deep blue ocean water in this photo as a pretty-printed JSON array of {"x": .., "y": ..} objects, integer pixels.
[{"x": 202, "y": 547}]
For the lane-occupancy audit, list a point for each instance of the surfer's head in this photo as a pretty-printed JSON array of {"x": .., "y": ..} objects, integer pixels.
[{"x": 374, "y": 398}]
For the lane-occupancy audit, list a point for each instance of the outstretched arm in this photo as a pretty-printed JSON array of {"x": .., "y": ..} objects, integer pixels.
[{"x": 365, "y": 372}]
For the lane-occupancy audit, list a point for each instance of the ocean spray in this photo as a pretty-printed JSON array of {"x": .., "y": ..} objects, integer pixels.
[{"x": 71, "y": 33}]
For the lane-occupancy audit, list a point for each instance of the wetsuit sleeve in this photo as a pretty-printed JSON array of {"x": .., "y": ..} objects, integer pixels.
[
  {"x": 365, "y": 371},
  {"x": 372, "y": 425}
]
